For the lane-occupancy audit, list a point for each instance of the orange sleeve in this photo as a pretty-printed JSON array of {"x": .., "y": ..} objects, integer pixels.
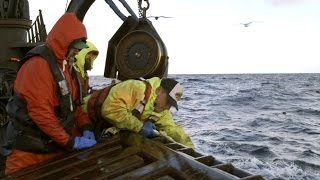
[{"x": 35, "y": 84}]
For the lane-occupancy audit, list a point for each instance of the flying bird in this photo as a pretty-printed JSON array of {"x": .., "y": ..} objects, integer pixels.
[
  {"x": 157, "y": 17},
  {"x": 246, "y": 24},
  {"x": 249, "y": 23}
]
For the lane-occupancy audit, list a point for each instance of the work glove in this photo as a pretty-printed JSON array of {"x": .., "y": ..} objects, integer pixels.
[
  {"x": 148, "y": 129},
  {"x": 83, "y": 142},
  {"x": 88, "y": 134}
]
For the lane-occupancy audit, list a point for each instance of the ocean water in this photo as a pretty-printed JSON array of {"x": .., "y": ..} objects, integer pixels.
[{"x": 266, "y": 124}]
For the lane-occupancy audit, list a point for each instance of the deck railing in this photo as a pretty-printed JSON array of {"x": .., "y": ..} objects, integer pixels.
[{"x": 37, "y": 32}]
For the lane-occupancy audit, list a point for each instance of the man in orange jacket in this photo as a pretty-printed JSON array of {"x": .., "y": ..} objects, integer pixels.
[{"x": 45, "y": 109}]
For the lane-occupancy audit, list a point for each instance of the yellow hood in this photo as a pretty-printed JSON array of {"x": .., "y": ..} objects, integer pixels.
[{"x": 81, "y": 58}]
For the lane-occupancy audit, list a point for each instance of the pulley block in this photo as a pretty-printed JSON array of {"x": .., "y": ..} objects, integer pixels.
[{"x": 138, "y": 54}]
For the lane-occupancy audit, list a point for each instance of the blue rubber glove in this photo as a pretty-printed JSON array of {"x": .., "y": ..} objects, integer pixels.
[
  {"x": 88, "y": 134},
  {"x": 147, "y": 129},
  {"x": 83, "y": 142}
]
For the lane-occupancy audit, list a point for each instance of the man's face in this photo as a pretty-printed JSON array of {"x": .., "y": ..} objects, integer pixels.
[
  {"x": 72, "y": 53},
  {"x": 161, "y": 103},
  {"x": 88, "y": 59}
]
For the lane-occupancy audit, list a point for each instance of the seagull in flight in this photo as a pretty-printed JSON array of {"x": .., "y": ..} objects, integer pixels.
[
  {"x": 249, "y": 23},
  {"x": 157, "y": 17},
  {"x": 246, "y": 24}
]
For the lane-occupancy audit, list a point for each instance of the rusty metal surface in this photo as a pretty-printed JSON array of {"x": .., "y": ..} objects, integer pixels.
[{"x": 129, "y": 156}]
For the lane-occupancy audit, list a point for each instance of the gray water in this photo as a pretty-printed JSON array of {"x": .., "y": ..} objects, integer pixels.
[{"x": 266, "y": 124}]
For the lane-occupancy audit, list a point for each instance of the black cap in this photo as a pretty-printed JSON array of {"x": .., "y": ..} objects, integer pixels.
[{"x": 173, "y": 89}]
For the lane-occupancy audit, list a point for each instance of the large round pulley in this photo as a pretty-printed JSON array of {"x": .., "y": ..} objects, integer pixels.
[{"x": 138, "y": 54}]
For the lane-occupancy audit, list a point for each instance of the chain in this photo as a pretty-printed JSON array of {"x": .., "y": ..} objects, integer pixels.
[
  {"x": 143, "y": 10},
  {"x": 139, "y": 8}
]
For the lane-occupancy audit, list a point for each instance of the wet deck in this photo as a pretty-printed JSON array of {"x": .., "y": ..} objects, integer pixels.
[{"x": 129, "y": 156}]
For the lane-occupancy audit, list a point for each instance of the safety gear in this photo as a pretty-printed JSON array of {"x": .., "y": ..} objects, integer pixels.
[
  {"x": 96, "y": 100},
  {"x": 147, "y": 129},
  {"x": 36, "y": 85},
  {"x": 17, "y": 110},
  {"x": 81, "y": 63},
  {"x": 63, "y": 92},
  {"x": 81, "y": 58},
  {"x": 142, "y": 103},
  {"x": 127, "y": 95},
  {"x": 123, "y": 98},
  {"x": 88, "y": 134},
  {"x": 98, "y": 97},
  {"x": 45, "y": 103},
  {"x": 83, "y": 142}
]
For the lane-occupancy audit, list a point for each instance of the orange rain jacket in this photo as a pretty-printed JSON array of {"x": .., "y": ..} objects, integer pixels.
[{"x": 36, "y": 85}]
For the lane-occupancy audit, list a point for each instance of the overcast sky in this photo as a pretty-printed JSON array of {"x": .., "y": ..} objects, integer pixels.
[{"x": 206, "y": 36}]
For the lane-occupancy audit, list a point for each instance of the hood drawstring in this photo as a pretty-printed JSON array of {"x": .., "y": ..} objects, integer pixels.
[{"x": 64, "y": 63}]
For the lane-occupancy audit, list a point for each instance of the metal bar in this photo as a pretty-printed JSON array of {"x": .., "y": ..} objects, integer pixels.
[
  {"x": 36, "y": 27},
  {"x": 125, "y": 4},
  {"x": 43, "y": 31},
  {"x": 116, "y": 10},
  {"x": 32, "y": 35}
]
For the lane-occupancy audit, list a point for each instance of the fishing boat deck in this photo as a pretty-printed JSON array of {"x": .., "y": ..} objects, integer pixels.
[{"x": 129, "y": 156}]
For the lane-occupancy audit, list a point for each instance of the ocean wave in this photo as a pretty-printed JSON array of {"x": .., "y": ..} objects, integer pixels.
[
  {"x": 263, "y": 152},
  {"x": 308, "y": 111},
  {"x": 276, "y": 169},
  {"x": 236, "y": 101},
  {"x": 311, "y": 131}
]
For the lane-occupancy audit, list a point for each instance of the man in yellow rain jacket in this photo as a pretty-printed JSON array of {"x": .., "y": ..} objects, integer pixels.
[
  {"x": 140, "y": 106},
  {"x": 85, "y": 59}
]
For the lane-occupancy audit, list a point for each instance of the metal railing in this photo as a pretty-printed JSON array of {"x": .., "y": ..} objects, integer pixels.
[{"x": 37, "y": 33}]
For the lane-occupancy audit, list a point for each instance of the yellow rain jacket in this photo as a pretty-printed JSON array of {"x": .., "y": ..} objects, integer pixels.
[
  {"x": 124, "y": 97},
  {"x": 81, "y": 58}
]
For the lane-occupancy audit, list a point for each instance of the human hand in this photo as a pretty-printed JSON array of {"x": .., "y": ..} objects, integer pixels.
[
  {"x": 83, "y": 142},
  {"x": 147, "y": 129},
  {"x": 88, "y": 134}
]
